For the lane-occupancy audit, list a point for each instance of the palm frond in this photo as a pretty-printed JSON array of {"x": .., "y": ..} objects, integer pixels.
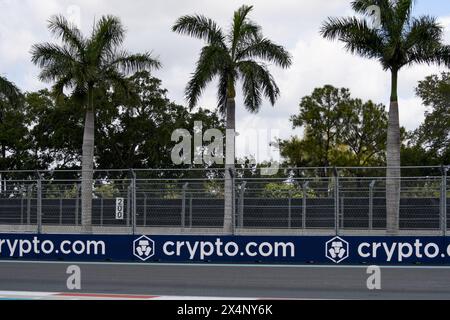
[
  {"x": 54, "y": 60},
  {"x": 68, "y": 32},
  {"x": 423, "y": 42},
  {"x": 242, "y": 28},
  {"x": 257, "y": 80},
  {"x": 63, "y": 82},
  {"x": 108, "y": 34},
  {"x": 213, "y": 60},
  {"x": 356, "y": 34},
  {"x": 424, "y": 30},
  {"x": 266, "y": 50},
  {"x": 128, "y": 63},
  {"x": 9, "y": 90},
  {"x": 200, "y": 27}
]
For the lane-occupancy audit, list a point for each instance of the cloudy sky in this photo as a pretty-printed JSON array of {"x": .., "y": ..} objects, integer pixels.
[{"x": 292, "y": 23}]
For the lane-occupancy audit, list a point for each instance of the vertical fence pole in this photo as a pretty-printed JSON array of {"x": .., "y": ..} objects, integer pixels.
[
  {"x": 61, "y": 209},
  {"x": 305, "y": 189},
  {"x": 29, "y": 194},
  {"x": 371, "y": 187},
  {"x": 22, "y": 210},
  {"x": 241, "y": 204},
  {"x": 443, "y": 200},
  {"x": 102, "y": 205},
  {"x": 39, "y": 203},
  {"x": 145, "y": 209},
  {"x": 77, "y": 204},
  {"x": 233, "y": 204},
  {"x": 336, "y": 201},
  {"x": 290, "y": 210},
  {"x": 183, "y": 205},
  {"x": 190, "y": 210},
  {"x": 133, "y": 203},
  {"x": 129, "y": 200}
]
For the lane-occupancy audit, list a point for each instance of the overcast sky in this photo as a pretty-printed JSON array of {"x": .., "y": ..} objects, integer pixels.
[{"x": 292, "y": 23}]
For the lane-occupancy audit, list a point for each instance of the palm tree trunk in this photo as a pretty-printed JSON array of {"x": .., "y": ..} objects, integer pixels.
[
  {"x": 393, "y": 162},
  {"x": 88, "y": 166},
  {"x": 229, "y": 165}
]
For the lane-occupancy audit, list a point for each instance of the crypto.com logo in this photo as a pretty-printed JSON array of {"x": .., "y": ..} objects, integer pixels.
[
  {"x": 337, "y": 250},
  {"x": 208, "y": 147},
  {"x": 144, "y": 248}
]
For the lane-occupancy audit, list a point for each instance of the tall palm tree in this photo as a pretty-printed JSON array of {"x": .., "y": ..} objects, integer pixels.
[
  {"x": 83, "y": 64},
  {"x": 9, "y": 90},
  {"x": 399, "y": 40},
  {"x": 238, "y": 55}
]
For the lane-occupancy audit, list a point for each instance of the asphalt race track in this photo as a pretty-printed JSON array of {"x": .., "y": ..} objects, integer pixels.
[{"x": 239, "y": 281}]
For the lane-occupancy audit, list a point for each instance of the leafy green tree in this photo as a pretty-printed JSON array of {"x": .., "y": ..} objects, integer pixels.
[
  {"x": 338, "y": 131},
  {"x": 14, "y": 137},
  {"x": 82, "y": 64},
  {"x": 13, "y": 131},
  {"x": 322, "y": 117},
  {"x": 57, "y": 130},
  {"x": 401, "y": 40},
  {"x": 230, "y": 57},
  {"x": 434, "y": 133}
]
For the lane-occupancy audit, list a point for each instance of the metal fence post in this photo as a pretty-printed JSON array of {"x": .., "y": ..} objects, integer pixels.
[
  {"x": 183, "y": 205},
  {"x": 290, "y": 210},
  {"x": 443, "y": 200},
  {"x": 102, "y": 205},
  {"x": 61, "y": 209},
  {"x": 190, "y": 210},
  {"x": 129, "y": 200},
  {"x": 29, "y": 194},
  {"x": 77, "y": 204},
  {"x": 145, "y": 209},
  {"x": 336, "y": 201},
  {"x": 134, "y": 203},
  {"x": 241, "y": 204},
  {"x": 233, "y": 205},
  {"x": 21, "y": 209},
  {"x": 305, "y": 189},
  {"x": 39, "y": 203},
  {"x": 371, "y": 187}
]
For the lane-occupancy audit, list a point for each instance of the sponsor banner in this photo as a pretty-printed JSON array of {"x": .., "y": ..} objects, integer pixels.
[{"x": 227, "y": 249}]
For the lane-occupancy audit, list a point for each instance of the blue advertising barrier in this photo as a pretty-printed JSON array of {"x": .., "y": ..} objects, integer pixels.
[{"x": 227, "y": 249}]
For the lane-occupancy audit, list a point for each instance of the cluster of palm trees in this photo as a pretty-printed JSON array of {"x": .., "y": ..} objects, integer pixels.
[{"x": 239, "y": 56}]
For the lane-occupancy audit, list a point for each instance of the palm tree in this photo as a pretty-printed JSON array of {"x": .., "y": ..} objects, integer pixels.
[
  {"x": 9, "y": 90},
  {"x": 400, "y": 40},
  {"x": 238, "y": 55},
  {"x": 84, "y": 64}
]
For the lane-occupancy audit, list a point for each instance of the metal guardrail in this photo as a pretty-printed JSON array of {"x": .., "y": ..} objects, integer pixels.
[{"x": 292, "y": 200}]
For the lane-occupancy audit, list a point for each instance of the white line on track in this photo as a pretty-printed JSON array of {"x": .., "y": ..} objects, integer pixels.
[
  {"x": 30, "y": 295},
  {"x": 205, "y": 265}
]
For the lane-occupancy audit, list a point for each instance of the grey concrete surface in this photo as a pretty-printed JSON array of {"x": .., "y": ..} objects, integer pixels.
[{"x": 293, "y": 282}]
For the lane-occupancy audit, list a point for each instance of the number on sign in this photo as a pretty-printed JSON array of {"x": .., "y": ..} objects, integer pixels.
[{"x": 119, "y": 208}]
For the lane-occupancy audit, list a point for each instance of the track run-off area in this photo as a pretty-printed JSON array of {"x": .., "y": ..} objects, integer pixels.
[{"x": 48, "y": 280}]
